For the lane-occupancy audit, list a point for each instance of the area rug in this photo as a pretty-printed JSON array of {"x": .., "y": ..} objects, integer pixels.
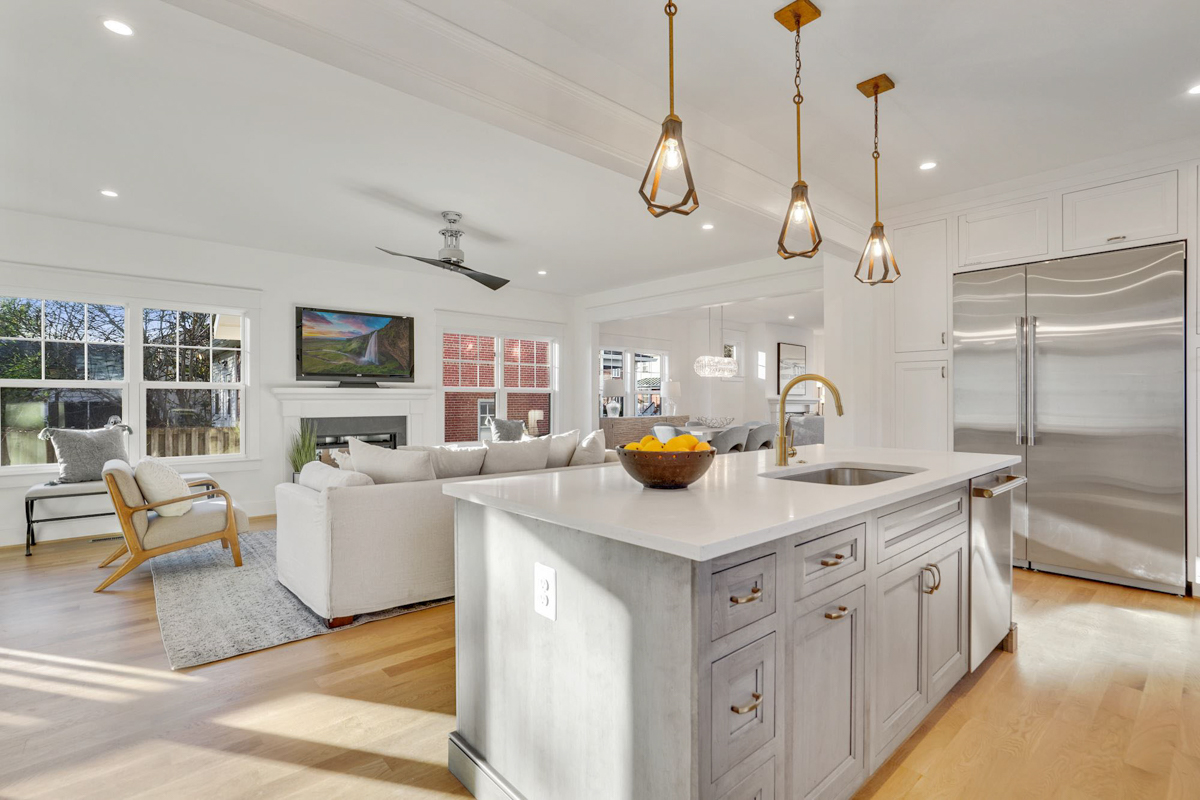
[{"x": 209, "y": 610}]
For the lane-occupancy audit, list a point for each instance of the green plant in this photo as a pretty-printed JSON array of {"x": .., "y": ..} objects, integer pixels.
[{"x": 303, "y": 448}]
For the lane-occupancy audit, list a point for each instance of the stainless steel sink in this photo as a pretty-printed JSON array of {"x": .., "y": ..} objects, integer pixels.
[{"x": 844, "y": 476}]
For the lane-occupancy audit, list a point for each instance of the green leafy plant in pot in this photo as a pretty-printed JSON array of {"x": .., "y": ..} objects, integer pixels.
[{"x": 303, "y": 448}]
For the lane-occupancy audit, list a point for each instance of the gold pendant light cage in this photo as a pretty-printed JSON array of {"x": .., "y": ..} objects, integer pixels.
[
  {"x": 667, "y": 187},
  {"x": 800, "y": 234},
  {"x": 877, "y": 264}
]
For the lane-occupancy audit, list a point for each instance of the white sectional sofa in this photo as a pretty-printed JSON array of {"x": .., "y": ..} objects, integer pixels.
[{"x": 347, "y": 546}]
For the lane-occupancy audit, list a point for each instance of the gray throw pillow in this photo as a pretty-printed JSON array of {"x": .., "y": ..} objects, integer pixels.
[
  {"x": 507, "y": 430},
  {"x": 81, "y": 454}
]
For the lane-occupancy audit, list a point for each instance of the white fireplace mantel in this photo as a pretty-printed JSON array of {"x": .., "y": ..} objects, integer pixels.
[{"x": 306, "y": 402}]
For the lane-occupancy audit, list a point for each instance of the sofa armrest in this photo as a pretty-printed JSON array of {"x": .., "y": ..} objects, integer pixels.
[{"x": 303, "y": 545}]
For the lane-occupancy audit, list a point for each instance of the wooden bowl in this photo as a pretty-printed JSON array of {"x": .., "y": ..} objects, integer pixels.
[{"x": 665, "y": 470}]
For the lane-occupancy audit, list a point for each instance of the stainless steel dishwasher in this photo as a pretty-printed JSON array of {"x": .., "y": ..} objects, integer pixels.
[{"x": 991, "y": 562}]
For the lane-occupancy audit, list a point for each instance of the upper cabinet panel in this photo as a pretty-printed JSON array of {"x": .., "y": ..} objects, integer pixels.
[
  {"x": 1003, "y": 234},
  {"x": 1127, "y": 211},
  {"x": 920, "y": 294}
]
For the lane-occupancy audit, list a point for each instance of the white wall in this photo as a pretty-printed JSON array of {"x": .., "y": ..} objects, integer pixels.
[{"x": 30, "y": 243}]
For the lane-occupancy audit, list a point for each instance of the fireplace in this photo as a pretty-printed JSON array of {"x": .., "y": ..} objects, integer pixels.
[{"x": 335, "y": 433}]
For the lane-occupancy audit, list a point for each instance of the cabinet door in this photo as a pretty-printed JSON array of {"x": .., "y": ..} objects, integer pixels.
[
  {"x": 946, "y": 615},
  {"x": 898, "y": 679},
  {"x": 827, "y": 698},
  {"x": 921, "y": 293},
  {"x": 743, "y": 704},
  {"x": 1002, "y": 234},
  {"x": 1125, "y": 211},
  {"x": 922, "y": 405}
]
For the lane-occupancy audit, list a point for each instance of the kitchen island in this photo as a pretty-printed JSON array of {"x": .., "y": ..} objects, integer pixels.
[{"x": 766, "y": 633}]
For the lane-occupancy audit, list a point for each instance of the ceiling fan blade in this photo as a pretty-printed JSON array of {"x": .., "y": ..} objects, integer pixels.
[
  {"x": 435, "y": 262},
  {"x": 490, "y": 281}
]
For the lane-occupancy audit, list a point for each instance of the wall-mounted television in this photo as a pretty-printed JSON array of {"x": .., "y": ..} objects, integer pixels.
[{"x": 353, "y": 347}]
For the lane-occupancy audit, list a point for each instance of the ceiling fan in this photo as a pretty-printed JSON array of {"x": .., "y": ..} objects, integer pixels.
[{"x": 451, "y": 256}]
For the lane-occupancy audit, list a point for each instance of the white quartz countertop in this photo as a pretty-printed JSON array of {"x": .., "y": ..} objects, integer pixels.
[{"x": 729, "y": 509}]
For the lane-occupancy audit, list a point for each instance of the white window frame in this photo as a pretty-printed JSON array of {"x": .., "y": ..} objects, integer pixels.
[{"x": 629, "y": 375}]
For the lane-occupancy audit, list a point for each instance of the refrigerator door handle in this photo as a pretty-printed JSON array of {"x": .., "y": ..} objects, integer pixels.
[
  {"x": 1031, "y": 383},
  {"x": 1021, "y": 401}
]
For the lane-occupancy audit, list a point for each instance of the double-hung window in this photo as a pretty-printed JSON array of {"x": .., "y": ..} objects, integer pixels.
[
  {"x": 486, "y": 376},
  {"x": 194, "y": 384},
  {"x": 637, "y": 389}
]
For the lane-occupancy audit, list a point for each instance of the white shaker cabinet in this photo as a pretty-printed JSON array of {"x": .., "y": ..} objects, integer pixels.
[
  {"x": 920, "y": 316},
  {"x": 922, "y": 405},
  {"x": 1006, "y": 233},
  {"x": 1125, "y": 211}
]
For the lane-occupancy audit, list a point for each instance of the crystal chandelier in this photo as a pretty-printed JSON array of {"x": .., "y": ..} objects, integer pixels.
[{"x": 716, "y": 366}]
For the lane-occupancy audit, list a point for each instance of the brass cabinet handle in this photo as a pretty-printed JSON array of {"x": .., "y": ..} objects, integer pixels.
[
  {"x": 841, "y": 612},
  {"x": 1116, "y": 238},
  {"x": 933, "y": 588},
  {"x": 832, "y": 562},
  {"x": 746, "y": 709},
  {"x": 1007, "y": 484},
  {"x": 937, "y": 569},
  {"x": 755, "y": 594}
]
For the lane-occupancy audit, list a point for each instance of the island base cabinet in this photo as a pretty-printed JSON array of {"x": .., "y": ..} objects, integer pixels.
[
  {"x": 828, "y": 682},
  {"x": 919, "y": 635}
]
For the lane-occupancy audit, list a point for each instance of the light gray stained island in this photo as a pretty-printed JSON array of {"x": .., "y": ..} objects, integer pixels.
[{"x": 748, "y": 638}]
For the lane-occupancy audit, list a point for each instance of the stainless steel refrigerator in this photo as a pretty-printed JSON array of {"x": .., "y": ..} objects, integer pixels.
[{"x": 1077, "y": 365}]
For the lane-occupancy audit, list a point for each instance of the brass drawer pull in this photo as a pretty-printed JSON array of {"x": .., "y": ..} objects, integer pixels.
[
  {"x": 833, "y": 562},
  {"x": 755, "y": 594},
  {"x": 746, "y": 709},
  {"x": 839, "y": 614},
  {"x": 933, "y": 588}
]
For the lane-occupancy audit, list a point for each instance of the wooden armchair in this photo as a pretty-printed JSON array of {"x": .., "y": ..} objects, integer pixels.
[{"x": 214, "y": 515}]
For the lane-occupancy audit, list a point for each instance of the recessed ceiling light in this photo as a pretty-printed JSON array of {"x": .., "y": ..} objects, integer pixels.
[
  {"x": 707, "y": 226},
  {"x": 541, "y": 272},
  {"x": 108, "y": 193},
  {"x": 1195, "y": 89},
  {"x": 118, "y": 27},
  {"x": 929, "y": 165},
  {"x": 791, "y": 316}
]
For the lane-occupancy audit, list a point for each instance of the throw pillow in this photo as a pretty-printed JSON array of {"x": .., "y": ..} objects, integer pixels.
[
  {"x": 386, "y": 465},
  {"x": 562, "y": 447},
  {"x": 515, "y": 456},
  {"x": 81, "y": 454},
  {"x": 452, "y": 462},
  {"x": 319, "y": 476},
  {"x": 507, "y": 430},
  {"x": 159, "y": 481},
  {"x": 342, "y": 459},
  {"x": 590, "y": 450}
]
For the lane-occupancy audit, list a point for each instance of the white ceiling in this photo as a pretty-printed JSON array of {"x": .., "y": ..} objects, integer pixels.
[
  {"x": 212, "y": 133},
  {"x": 807, "y": 308}
]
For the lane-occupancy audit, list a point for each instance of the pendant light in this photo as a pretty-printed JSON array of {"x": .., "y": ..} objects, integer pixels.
[
  {"x": 716, "y": 366},
  {"x": 800, "y": 235},
  {"x": 669, "y": 163},
  {"x": 877, "y": 264}
]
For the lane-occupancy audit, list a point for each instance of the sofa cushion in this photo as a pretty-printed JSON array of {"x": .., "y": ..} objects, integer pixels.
[
  {"x": 159, "y": 481},
  {"x": 507, "y": 430},
  {"x": 590, "y": 450},
  {"x": 452, "y": 462},
  {"x": 562, "y": 447},
  {"x": 386, "y": 465},
  {"x": 342, "y": 459},
  {"x": 515, "y": 456},
  {"x": 319, "y": 476},
  {"x": 82, "y": 454},
  {"x": 206, "y": 516}
]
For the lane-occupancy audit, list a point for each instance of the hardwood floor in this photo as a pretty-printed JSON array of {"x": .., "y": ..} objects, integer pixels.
[{"x": 1102, "y": 700}]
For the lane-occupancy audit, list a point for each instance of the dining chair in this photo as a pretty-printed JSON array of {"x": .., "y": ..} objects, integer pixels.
[
  {"x": 761, "y": 437},
  {"x": 664, "y": 433},
  {"x": 730, "y": 440},
  {"x": 214, "y": 515}
]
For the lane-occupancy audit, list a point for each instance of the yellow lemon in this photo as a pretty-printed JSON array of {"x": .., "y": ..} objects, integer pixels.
[
  {"x": 684, "y": 442},
  {"x": 647, "y": 440},
  {"x": 674, "y": 446},
  {"x": 633, "y": 446},
  {"x": 702, "y": 446},
  {"x": 652, "y": 446}
]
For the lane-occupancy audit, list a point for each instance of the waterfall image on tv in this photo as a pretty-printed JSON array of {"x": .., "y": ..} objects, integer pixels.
[{"x": 349, "y": 346}]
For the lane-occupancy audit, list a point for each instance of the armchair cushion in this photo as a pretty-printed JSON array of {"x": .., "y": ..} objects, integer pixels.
[
  {"x": 131, "y": 495},
  {"x": 206, "y": 516},
  {"x": 159, "y": 481}
]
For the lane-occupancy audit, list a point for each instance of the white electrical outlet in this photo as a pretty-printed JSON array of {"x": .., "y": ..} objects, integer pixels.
[{"x": 545, "y": 591}]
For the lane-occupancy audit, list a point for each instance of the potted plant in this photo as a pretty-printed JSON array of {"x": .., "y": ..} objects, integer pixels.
[{"x": 303, "y": 448}]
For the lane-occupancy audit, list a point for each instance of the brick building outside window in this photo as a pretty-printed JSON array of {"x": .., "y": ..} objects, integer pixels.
[{"x": 471, "y": 365}]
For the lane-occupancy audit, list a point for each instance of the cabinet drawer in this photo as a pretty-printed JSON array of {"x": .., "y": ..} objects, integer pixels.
[
  {"x": 743, "y": 704},
  {"x": 760, "y": 785},
  {"x": 909, "y": 527},
  {"x": 742, "y": 594},
  {"x": 825, "y": 561},
  {"x": 1125, "y": 211}
]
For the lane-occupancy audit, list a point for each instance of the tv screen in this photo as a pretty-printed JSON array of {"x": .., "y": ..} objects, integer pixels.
[{"x": 352, "y": 346}]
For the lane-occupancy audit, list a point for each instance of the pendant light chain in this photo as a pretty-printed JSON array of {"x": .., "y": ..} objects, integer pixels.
[
  {"x": 875, "y": 155},
  {"x": 670, "y": 8},
  {"x": 798, "y": 98}
]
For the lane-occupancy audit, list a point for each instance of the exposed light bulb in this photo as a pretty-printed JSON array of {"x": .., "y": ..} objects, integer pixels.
[
  {"x": 878, "y": 248},
  {"x": 673, "y": 157},
  {"x": 798, "y": 213},
  {"x": 118, "y": 27}
]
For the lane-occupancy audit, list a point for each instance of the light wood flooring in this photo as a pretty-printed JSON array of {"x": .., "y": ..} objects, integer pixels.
[{"x": 1102, "y": 700}]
